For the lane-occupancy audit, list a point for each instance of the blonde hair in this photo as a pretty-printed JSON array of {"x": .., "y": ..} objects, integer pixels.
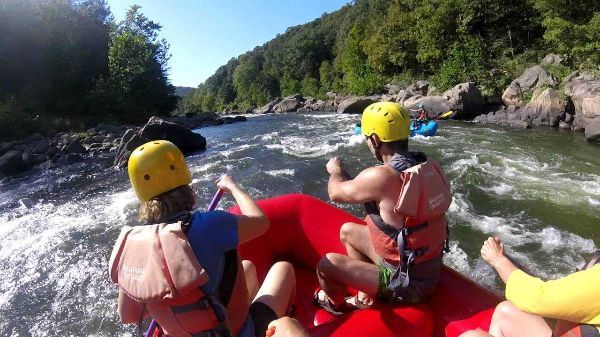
[{"x": 159, "y": 208}]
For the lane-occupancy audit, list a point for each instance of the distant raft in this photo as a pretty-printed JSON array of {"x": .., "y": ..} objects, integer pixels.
[{"x": 427, "y": 129}]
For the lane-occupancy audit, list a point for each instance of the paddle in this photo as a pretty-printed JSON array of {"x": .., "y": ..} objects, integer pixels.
[
  {"x": 444, "y": 115},
  {"x": 154, "y": 327}
]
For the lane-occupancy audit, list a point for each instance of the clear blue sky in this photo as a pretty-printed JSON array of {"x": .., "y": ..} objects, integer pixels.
[{"x": 205, "y": 34}]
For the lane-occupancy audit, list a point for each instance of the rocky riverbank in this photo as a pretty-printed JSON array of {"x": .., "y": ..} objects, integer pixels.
[
  {"x": 536, "y": 98},
  {"x": 104, "y": 140}
]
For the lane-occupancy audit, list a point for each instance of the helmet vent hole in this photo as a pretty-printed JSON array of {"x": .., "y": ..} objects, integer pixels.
[
  {"x": 172, "y": 167},
  {"x": 157, "y": 143},
  {"x": 142, "y": 148},
  {"x": 147, "y": 177}
]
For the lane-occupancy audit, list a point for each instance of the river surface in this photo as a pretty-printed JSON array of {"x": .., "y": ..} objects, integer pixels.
[{"x": 539, "y": 190}]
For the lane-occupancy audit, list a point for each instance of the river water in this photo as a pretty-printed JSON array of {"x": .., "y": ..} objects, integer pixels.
[{"x": 539, "y": 190}]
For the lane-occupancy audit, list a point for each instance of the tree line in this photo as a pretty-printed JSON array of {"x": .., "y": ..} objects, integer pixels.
[
  {"x": 69, "y": 64},
  {"x": 368, "y": 43}
]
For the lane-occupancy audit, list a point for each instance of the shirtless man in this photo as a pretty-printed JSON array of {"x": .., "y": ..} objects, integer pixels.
[{"x": 406, "y": 199}]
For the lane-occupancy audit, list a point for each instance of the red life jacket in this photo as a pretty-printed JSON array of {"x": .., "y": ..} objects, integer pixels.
[
  {"x": 155, "y": 265},
  {"x": 424, "y": 198}
]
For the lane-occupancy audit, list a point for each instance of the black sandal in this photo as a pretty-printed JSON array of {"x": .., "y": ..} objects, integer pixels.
[{"x": 328, "y": 306}]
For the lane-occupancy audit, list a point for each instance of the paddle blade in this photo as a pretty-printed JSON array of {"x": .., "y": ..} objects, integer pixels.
[{"x": 445, "y": 115}]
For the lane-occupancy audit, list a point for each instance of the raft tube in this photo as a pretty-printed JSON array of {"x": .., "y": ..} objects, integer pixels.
[
  {"x": 303, "y": 229},
  {"x": 427, "y": 129}
]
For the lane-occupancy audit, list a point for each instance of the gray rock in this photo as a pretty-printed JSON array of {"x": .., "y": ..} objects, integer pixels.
[
  {"x": 419, "y": 88},
  {"x": 592, "y": 131},
  {"x": 12, "y": 163},
  {"x": 545, "y": 108},
  {"x": 568, "y": 118},
  {"x": 564, "y": 126},
  {"x": 303, "y": 109},
  {"x": 433, "y": 91},
  {"x": 74, "y": 147},
  {"x": 585, "y": 96},
  {"x": 465, "y": 99},
  {"x": 535, "y": 77},
  {"x": 41, "y": 146},
  {"x": 354, "y": 105},
  {"x": 513, "y": 95},
  {"x": 288, "y": 105},
  {"x": 159, "y": 129},
  {"x": 268, "y": 108},
  {"x": 512, "y": 108},
  {"x": 554, "y": 59},
  {"x": 392, "y": 89},
  {"x": 402, "y": 96}
]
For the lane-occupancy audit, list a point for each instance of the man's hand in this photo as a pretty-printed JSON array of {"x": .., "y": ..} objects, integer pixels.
[
  {"x": 334, "y": 166},
  {"x": 492, "y": 251}
]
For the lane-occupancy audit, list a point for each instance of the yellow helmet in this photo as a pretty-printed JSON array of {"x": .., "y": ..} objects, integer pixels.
[
  {"x": 388, "y": 120},
  {"x": 157, "y": 167}
]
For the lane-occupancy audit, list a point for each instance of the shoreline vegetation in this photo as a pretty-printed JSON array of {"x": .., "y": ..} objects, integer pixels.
[{"x": 76, "y": 82}]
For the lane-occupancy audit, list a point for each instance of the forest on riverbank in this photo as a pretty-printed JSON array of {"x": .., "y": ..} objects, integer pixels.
[
  {"x": 368, "y": 43},
  {"x": 69, "y": 65}
]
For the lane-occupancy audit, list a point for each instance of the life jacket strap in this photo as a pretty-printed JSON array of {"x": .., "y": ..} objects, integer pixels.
[
  {"x": 201, "y": 304},
  {"x": 220, "y": 331}
]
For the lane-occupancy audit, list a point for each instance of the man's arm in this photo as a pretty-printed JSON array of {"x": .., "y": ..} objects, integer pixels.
[{"x": 366, "y": 186}]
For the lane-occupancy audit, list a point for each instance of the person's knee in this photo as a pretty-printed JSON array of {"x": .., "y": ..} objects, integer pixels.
[
  {"x": 328, "y": 264},
  {"x": 505, "y": 310},
  {"x": 346, "y": 232},
  {"x": 285, "y": 268}
]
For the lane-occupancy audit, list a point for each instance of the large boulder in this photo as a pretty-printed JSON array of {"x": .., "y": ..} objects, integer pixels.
[
  {"x": 585, "y": 95},
  {"x": 535, "y": 77},
  {"x": 402, "y": 96},
  {"x": 513, "y": 95},
  {"x": 545, "y": 108},
  {"x": 355, "y": 105},
  {"x": 12, "y": 163},
  {"x": 419, "y": 88},
  {"x": 592, "y": 131},
  {"x": 288, "y": 105},
  {"x": 268, "y": 108},
  {"x": 465, "y": 99},
  {"x": 158, "y": 129}
]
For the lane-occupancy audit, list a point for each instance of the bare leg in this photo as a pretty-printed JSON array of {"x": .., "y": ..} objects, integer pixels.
[
  {"x": 251, "y": 279},
  {"x": 509, "y": 321},
  {"x": 336, "y": 271},
  {"x": 356, "y": 240},
  {"x": 278, "y": 289}
]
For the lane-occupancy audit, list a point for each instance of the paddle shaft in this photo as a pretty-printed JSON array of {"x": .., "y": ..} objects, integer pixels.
[{"x": 211, "y": 207}]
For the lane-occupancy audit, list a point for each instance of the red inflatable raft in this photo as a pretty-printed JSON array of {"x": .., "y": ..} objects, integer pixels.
[{"x": 304, "y": 228}]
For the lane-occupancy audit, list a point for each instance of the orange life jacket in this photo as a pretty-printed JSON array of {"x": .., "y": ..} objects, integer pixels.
[
  {"x": 424, "y": 198},
  {"x": 155, "y": 265}
]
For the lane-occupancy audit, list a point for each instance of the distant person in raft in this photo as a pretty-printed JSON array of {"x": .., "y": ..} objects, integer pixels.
[
  {"x": 421, "y": 113},
  {"x": 182, "y": 267},
  {"x": 397, "y": 256},
  {"x": 574, "y": 301}
]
